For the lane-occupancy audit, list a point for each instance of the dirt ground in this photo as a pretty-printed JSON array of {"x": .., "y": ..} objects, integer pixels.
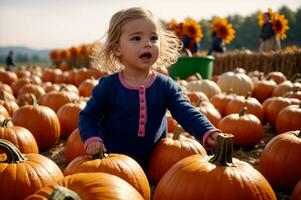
[{"x": 251, "y": 156}]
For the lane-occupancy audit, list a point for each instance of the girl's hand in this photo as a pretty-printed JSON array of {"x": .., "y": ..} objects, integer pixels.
[
  {"x": 95, "y": 147},
  {"x": 212, "y": 139}
]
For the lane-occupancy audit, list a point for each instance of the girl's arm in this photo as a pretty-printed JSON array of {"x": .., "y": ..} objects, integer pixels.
[
  {"x": 89, "y": 123},
  {"x": 193, "y": 121}
]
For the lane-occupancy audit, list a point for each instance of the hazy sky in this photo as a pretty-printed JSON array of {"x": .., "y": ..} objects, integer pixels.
[{"x": 42, "y": 24}]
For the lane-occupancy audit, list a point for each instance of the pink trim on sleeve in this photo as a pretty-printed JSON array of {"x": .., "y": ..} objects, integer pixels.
[
  {"x": 90, "y": 140},
  {"x": 205, "y": 137}
]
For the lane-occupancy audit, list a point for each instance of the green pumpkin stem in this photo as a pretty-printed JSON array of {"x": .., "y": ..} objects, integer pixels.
[
  {"x": 62, "y": 193},
  {"x": 224, "y": 151},
  {"x": 100, "y": 155},
  {"x": 12, "y": 152},
  {"x": 5, "y": 123}
]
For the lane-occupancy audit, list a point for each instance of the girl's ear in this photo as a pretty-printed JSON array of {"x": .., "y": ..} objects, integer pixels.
[{"x": 117, "y": 51}]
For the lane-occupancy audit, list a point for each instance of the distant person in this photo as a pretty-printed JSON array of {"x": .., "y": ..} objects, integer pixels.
[
  {"x": 10, "y": 61},
  {"x": 217, "y": 45},
  {"x": 267, "y": 38}
]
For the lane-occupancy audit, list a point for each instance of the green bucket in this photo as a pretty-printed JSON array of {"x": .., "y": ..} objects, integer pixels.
[{"x": 187, "y": 66}]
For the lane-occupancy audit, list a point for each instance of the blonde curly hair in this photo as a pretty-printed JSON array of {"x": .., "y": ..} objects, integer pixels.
[{"x": 105, "y": 58}]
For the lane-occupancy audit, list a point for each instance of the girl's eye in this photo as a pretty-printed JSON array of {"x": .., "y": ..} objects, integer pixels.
[
  {"x": 136, "y": 38},
  {"x": 154, "y": 38}
]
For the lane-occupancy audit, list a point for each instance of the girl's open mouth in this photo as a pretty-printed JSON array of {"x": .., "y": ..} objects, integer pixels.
[{"x": 146, "y": 55}]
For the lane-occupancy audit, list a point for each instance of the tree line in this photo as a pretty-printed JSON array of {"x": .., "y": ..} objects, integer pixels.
[{"x": 247, "y": 30}]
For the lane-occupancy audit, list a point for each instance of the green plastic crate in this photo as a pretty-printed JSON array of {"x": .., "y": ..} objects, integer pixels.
[{"x": 187, "y": 66}]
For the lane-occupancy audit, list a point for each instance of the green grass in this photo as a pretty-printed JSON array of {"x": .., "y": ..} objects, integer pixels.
[{"x": 41, "y": 63}]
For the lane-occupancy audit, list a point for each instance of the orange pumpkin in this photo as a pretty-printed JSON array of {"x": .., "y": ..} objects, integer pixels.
[
  {"x": 19, "y": 136},
  {"x": 289, "y": 119},
  {"x": 23, "y": 174},
  {"x": 169, "y": 151},
  {"x": 246, "y": 128},
  {"x": 57, "y": 99},
  {"x": 263, "y": 89},
  {"x": 41, "y": 121},
  {"x": 210, "y": 112},
  {"x": 88, "y": 186},
  {"x": 272, "y": 106},
  {"x": 86, "y": 87},
  {"x": 220, "y": 101},
  {"x": 253, "y": 105},
  {"x": 220, "y": 177},
  {"x": 74, "y": 146},
  {"x": 116, "y": 164},
  {"x": 68, "y": 116},
  {"x": 280, "y": 160}
]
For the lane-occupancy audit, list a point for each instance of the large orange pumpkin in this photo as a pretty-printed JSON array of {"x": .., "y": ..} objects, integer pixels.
[
  {"x": 23, "y": 174},
  {"x": 280, "y": 160},
  {"x": 116, "y": 164},
  {"x": 169, "y": 151},
  {"x": 89, "y": 186},
  {"x": 220, "y": 177},
  {"x": 41, "y": 121}
]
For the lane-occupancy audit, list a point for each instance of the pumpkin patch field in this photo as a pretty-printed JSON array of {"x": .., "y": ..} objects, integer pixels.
[{"x": 258, "y": 153}]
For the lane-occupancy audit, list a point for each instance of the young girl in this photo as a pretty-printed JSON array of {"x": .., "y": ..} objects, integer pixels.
[{"x": 126, "y": 113}]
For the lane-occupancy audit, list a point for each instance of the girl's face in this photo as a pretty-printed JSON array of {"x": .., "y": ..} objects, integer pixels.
[{"x": 139, "y": 44}]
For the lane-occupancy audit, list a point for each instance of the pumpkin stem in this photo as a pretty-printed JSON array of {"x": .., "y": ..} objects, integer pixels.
[
  {"x": 199, "y": 76},
  {"x": 5, "y": 123},
  {"x": 177, "y": 132},
  {"x": 243, "y": 111},
  {"x": 99, "y": 155},
  {"x": 12, "y": 152},
  {"x": 299, "y": 134},
  {"x": 248, "y": 95},
  {"x": 2, "y": 96},
  {"x": 224, "y": 151},
  {"x": 33, "y": 99},
  {"x": 62, "y": 193},
  {"x": 230, "y": 91}
]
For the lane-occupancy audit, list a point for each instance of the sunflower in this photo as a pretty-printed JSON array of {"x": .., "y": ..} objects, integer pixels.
[
  {"x": 280, "y": 24},
  {"x": 223, "y": 29},
  {"x": 192, "y": 29}
]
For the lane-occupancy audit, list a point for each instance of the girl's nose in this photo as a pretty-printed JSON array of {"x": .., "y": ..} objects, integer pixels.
[{"x": 147, "y": 44}]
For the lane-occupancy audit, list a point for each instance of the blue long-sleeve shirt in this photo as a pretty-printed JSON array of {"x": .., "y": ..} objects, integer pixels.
[
  {"x": 131, "y": 120},
  {"x": 267, "y": 31}
]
